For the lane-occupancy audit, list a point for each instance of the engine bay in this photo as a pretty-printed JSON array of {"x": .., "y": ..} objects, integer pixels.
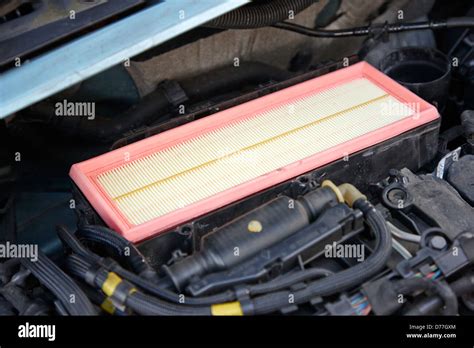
[{"x": 314, "y": 161}]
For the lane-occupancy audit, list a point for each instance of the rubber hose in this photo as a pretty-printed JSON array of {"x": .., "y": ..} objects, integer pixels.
[
  {"x": 259, "y": 14},
  {"x": 410, "y": 285},
  {"x": 460, "y": 287},
  {"x": 464, "y": 285},
  {"x": 342, "y": 280}
]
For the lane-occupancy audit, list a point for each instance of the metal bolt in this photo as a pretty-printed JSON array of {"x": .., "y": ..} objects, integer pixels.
[{"x": 438, "y": 242}]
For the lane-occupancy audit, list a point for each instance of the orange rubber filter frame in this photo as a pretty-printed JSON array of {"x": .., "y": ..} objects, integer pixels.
[{"x": 153, "y": 185}]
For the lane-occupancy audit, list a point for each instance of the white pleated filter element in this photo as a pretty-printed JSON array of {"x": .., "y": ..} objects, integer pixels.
[{"x": 214, "y": 161}]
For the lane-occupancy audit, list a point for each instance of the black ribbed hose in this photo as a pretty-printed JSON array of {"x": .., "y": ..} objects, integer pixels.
[
  {"x": 77, "y": 266},
  {"x": 60, "y": 284},
  {"x": 76, "y": 246},
  {"x": 105, "y": 236},
  {"x": 259, "y": 14}
]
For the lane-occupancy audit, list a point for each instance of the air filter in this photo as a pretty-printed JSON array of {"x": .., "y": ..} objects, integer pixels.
[{"x": 155, "y": 184}]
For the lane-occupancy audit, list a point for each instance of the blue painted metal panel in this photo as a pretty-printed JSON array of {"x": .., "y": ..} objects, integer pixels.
[{"x": 88, "y": 55}]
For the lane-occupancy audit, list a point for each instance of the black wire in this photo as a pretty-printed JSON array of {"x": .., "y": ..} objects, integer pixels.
[
  {"x": 322, "y": 33},
  {"x": 378, "y": 28}
]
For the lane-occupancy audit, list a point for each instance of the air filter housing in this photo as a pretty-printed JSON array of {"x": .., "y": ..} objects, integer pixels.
[{"x": 155, "y": 184}]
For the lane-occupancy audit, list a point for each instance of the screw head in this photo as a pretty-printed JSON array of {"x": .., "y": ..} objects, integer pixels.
[{"x": 438, "y": 242}]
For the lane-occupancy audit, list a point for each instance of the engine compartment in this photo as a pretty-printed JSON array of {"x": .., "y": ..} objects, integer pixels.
[{"x": 386, "y": 229}]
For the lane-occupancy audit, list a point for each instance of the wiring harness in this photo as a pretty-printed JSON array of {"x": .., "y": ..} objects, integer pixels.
[
  {"x": 124, "y": 283},
  {"x": 124, "y": 288}
]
